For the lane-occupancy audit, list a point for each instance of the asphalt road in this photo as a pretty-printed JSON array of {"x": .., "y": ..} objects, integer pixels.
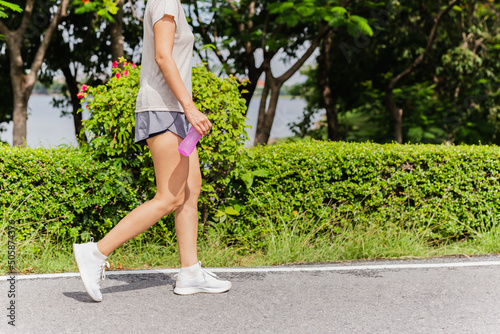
[{"x": 374, "y": 299}]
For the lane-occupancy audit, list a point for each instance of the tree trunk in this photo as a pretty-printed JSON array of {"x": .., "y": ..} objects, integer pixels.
[
  {"x": 19, "y": 117},
  {"x": 397, "y": 116},
  {"x": 253, "y": 76},
  {"x": 116, "y": 33},
  {"x": 22, "y": 84},
  {"x": 21, "y": 88},
  {"x": 75, "y": 102},
  {"x": 266, "y": 118},
  {"x": 327, "y": 99}
]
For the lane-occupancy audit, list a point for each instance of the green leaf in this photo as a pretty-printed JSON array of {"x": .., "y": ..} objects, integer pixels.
[
  {"x": 260, "y": 172},
  {"x": 11, "y": 6},
  {"x": 362, "y": 24},
  {"x": 231, "y": 211},
  {"x": 338, "y": 10}
]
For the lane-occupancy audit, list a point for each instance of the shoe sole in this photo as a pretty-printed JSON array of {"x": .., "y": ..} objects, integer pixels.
[
  {"x": 192, "y": 291},
  {"x": 79, "y": 263}
]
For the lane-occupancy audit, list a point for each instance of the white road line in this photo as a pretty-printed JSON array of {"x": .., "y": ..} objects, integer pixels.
[{"x": 345, "y": 267}]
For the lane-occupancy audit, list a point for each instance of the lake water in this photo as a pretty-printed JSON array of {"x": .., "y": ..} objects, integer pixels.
[{"x": 46, "y": 128}]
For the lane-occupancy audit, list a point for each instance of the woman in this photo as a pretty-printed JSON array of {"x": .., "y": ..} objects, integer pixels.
[{"x": 164, "y": 108}]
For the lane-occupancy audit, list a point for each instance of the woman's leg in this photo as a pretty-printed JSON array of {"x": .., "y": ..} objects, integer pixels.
[
  {"x": 171, "y": 171},
  {"x": 191, "y": 278},
  {"x": 186, "y": 215}
]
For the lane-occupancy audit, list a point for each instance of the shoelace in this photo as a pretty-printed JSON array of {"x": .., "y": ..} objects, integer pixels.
[
  {"x": 203, "y": 272},
  {"x": 103, "y": 269},
  {"x": 206, "y": 272}
]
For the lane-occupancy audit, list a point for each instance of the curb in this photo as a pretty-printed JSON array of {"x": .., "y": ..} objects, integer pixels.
[{"x": 345, "y": 267}]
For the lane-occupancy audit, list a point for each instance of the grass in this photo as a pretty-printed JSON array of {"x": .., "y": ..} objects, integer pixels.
[{"x": 299, "y": 240}]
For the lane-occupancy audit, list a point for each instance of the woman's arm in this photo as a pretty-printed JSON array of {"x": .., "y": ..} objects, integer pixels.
[{"x": 164, "y": 34}]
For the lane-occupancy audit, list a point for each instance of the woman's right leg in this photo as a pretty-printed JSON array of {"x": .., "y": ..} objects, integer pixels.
[{"x": 171, "y": 171}]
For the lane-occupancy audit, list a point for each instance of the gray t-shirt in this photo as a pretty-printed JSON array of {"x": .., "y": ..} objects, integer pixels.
[{"x": 154, "y": 93}]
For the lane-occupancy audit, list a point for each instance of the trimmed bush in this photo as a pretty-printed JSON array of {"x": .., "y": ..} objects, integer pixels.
[
  {"x": 62, "y": 192},
  {"x": 445, "y": 190},
  {"x": 442, "y": 192}
]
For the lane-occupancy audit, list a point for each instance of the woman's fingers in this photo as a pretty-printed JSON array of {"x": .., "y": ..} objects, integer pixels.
[
  {"x": 204, "y": 127},
  {"x": 198, "y": 120},
  {"x": 202, "y": 124}
]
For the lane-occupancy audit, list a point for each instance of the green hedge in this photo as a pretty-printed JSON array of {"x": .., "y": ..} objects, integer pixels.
[
  {"x": 62, "y": 192},
  {"x": 445, "y": 190}
]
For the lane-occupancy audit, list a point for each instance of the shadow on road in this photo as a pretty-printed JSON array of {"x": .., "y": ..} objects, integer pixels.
[{"x": 132, "y": 282}]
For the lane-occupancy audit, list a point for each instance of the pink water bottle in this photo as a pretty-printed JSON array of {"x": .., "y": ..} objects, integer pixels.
[{"x": 189, "y": 143}]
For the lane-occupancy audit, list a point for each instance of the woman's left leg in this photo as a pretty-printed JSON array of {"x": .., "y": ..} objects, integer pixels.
[
  {"x": 186, "y": 215},
  {"x": 192, "y": 278}
]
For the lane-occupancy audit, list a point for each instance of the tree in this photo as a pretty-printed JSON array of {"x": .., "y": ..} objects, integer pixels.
[
  {"x": 361, "y": 69},
  {"x": 23, "y": 79},
  {"x": 94, "y": 43},
  {"x": 240, "y": 30},
  {"x": 468, "y": 76},
  {"x": 394, "y": 111},
  {"x": 335, "y": 83},
  {"x": 60, "y": 54}
]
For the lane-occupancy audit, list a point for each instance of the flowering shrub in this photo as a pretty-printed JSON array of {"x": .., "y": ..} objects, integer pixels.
[
  {"x": 110, "y": 128},
  {"x": 112, "y": 115},
  {"x": 103, "y": 8}
]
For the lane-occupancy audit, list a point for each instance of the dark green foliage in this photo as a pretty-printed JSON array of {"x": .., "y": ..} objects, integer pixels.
[
  {"x": 447, "y": 188},
  {"x": 451, "y": 97}
]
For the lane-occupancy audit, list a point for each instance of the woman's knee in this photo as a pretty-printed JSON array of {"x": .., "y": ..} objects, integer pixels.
[
  {"x": 170, "y": 204},
  {"x": 193, "y": 190}
]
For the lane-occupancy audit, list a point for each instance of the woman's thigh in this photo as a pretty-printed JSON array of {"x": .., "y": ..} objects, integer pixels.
[{"x": 171, "y": 167}]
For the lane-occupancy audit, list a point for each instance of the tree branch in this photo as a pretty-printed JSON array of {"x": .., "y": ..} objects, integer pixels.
[
  {"x": 206, "y": 38},
  {"x": 134, "y": 12},
  {"x": 28, "y": 10},
  {"x": 3, "y": 29},
  {"x": 305, "y": 56},
  {"x": 42, "y": 49},
  {"x": 200, "y": 22},
  {"x": 233, "y": 6},
  {"x": 430, "y": 42}
]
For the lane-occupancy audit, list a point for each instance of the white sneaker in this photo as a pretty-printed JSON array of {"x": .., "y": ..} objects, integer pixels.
[
  {"x": 195, "y": 280},
  {"x": 91, "y": 264}
]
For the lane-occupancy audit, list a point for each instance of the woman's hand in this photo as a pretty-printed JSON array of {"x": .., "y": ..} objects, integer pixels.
[{"x": 198, "y": 120}]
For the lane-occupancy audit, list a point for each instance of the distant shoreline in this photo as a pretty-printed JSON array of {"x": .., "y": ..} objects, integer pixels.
[
  {"x": 45, "y": 94},
  {"x": 288, "y": 97}
]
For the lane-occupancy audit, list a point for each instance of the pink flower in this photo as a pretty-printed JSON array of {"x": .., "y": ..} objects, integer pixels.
[
  {"x": 84, "y": 88},
  {"x": 115, "y": 64},
  {"x": 79, "y": 95},
  {"x": 125, "y": 73},
  {"x": 134, "y": 65},
  {"x": 117, "y": 75}
]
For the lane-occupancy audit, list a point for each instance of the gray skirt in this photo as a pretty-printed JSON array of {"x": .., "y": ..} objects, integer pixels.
[{"x": 152, "y": 123}]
